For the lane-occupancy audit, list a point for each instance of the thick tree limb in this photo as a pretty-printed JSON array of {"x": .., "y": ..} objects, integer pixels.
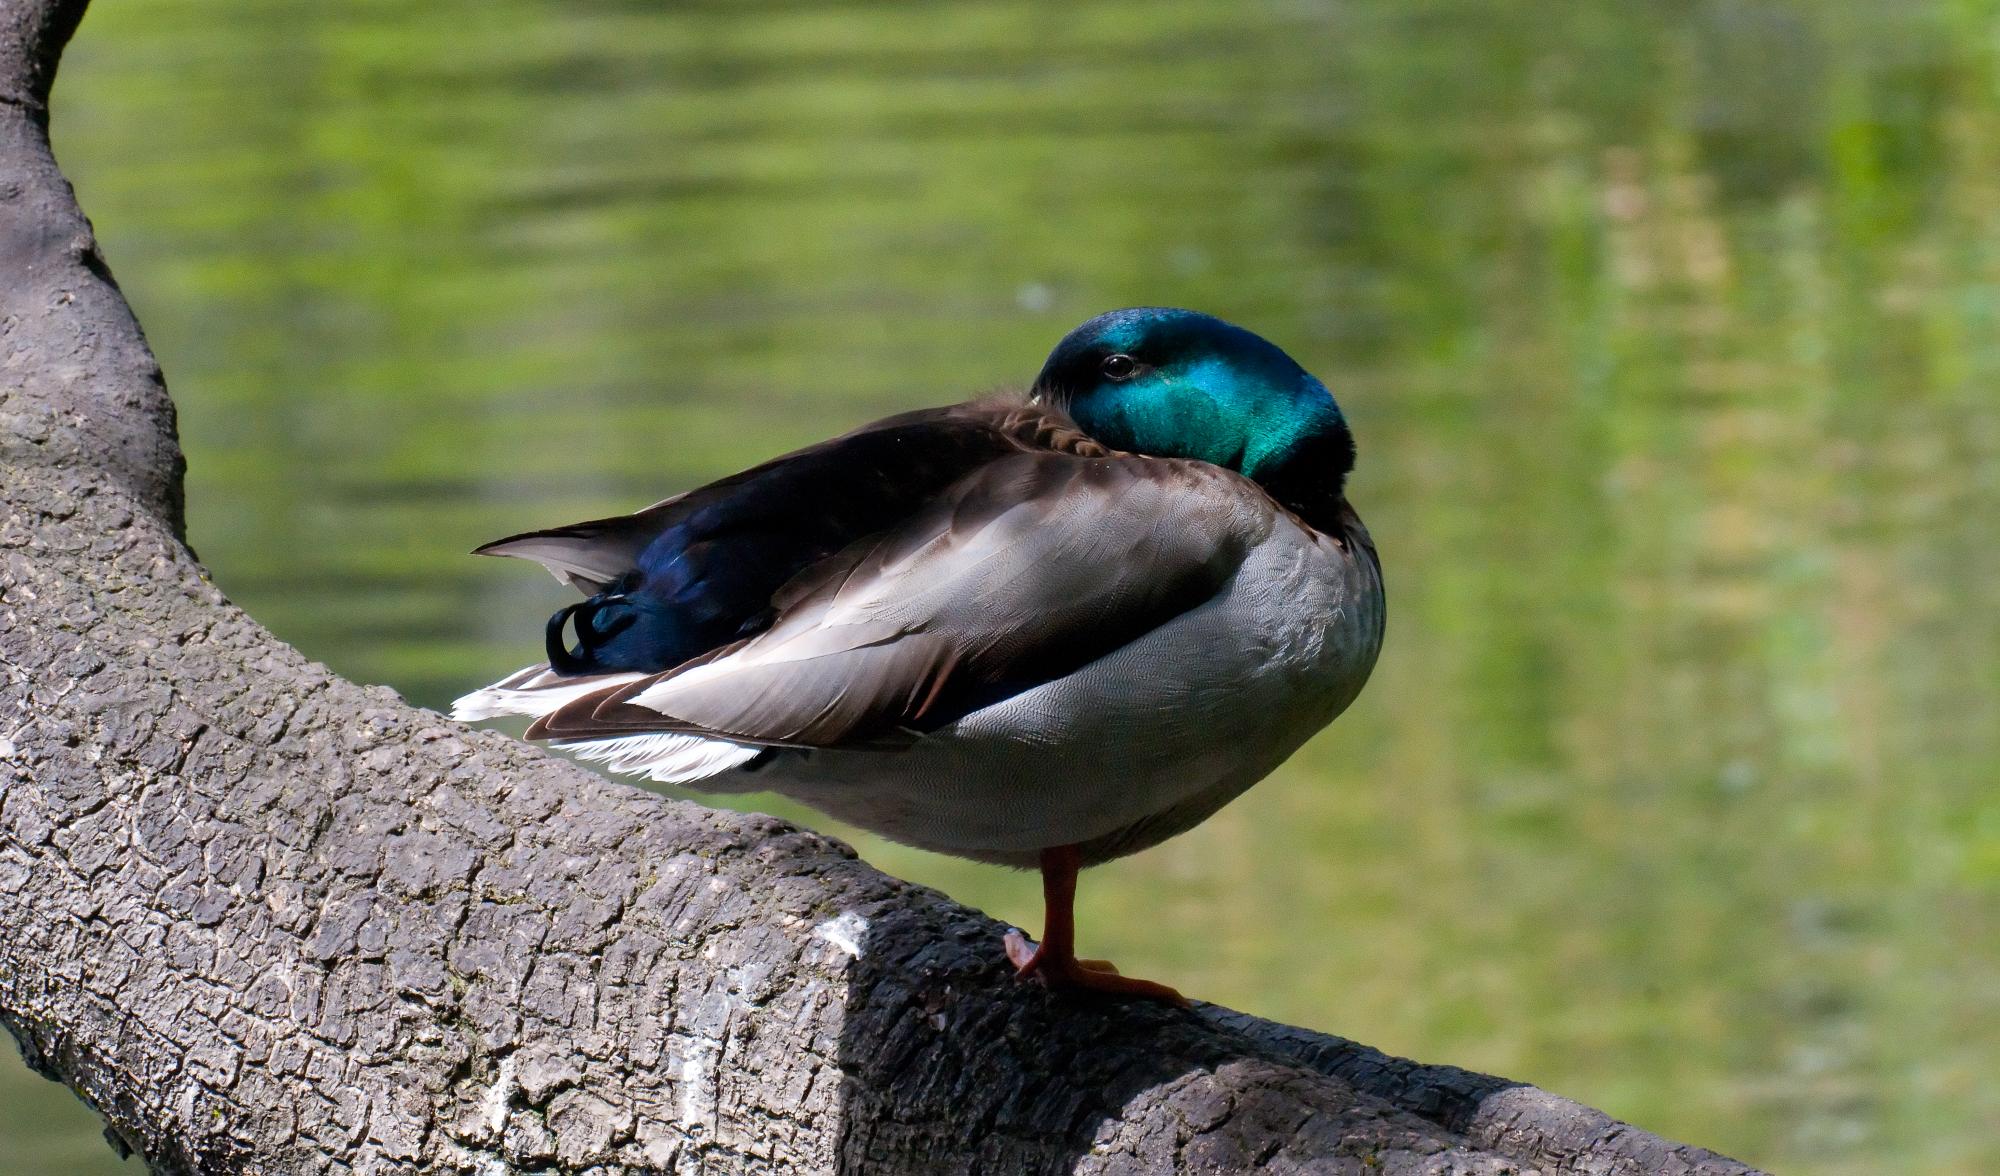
[{"x": 267, "y": 920}]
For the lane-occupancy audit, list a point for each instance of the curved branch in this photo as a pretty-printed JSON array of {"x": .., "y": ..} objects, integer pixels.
[{"x": 265, "y": 919}]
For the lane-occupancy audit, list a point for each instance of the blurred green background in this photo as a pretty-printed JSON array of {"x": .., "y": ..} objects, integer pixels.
[{"x": 1670, "y": 331}]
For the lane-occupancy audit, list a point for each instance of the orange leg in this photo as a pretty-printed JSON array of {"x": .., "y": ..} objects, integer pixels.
[{"x": 1055, "y": 959}]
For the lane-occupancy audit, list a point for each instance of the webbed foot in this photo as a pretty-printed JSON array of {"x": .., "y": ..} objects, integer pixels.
[{"x": 1064, "y": 972}]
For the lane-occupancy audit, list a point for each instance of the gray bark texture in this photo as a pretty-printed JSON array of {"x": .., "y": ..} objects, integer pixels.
[{"x": 267, "y": 920}]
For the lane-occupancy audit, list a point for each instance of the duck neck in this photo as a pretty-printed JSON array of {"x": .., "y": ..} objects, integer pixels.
[{"x": 1310, "y": 478}]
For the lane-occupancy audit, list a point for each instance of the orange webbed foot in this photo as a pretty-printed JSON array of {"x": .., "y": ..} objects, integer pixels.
[{"x": 1067, "y": 973}]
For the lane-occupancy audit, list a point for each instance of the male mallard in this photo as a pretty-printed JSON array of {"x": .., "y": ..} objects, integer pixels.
[{"x": 1049, "y": 630}]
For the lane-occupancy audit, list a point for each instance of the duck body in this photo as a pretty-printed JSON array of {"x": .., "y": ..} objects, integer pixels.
[
  {"x": 1072, "y": 623},
  {"x": 1145, "y": 741}
]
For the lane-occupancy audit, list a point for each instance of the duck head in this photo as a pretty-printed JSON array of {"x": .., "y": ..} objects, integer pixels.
[{"x": 1179, "y": 383}]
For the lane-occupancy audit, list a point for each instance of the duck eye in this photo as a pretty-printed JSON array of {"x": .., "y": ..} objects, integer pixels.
[{"x": 1119, "y": 367}]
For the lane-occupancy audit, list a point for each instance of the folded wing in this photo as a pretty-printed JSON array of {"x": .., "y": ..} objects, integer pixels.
[
  {"x": 680, "y": 578},
  {"x": 1027, "y": 569}
]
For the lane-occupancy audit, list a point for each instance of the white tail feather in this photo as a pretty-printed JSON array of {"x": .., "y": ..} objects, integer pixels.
[
  {"x": 670, "y": 758},
  {"x": 534, "y": 691}
]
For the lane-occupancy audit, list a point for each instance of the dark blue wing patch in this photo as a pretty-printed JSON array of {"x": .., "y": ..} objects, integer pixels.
[{"x": 708, "y": 563}]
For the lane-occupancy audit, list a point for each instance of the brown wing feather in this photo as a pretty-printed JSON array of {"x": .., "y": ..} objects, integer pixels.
[{"x": 1024, "y": 571}]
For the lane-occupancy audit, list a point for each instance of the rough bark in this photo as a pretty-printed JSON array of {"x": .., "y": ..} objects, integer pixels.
[{"x": 264, "y": 919}]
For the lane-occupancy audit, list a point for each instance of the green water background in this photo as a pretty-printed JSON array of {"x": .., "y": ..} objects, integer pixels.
[{"x": 1670, "y": 331}]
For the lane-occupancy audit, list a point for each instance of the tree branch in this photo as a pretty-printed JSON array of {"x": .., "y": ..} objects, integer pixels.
[{"x": 265, "y": 919}]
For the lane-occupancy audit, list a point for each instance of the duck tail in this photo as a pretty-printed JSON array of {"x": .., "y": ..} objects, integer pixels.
[
  {"x": 696, "y": 761},
  {"x": 671, "y": 757},
  {"x": 533, "y": 691}
]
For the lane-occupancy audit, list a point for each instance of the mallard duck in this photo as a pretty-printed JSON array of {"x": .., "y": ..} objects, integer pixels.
[{"x": 1043, "y": 630}]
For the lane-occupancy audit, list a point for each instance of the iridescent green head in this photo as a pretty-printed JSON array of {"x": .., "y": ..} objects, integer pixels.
[{"x": 1178, "y": 383}]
